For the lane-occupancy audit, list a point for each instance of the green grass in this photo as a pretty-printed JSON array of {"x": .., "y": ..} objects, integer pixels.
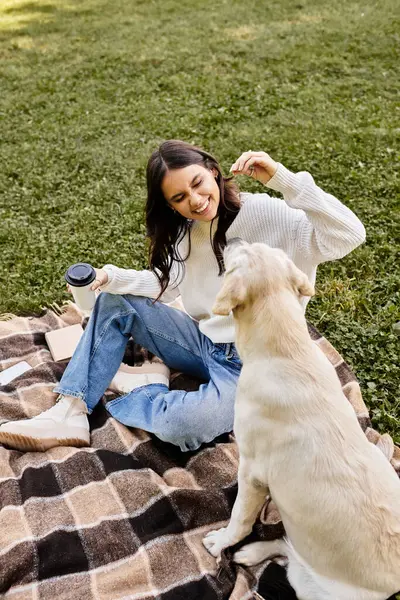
[{"x": 88, "y": 90}]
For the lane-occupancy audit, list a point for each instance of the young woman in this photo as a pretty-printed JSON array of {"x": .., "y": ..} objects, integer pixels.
[{"x": 192, "y": 211}]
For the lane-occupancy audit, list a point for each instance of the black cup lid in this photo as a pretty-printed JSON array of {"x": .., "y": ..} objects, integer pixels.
[{"x": 80, "y": 274}]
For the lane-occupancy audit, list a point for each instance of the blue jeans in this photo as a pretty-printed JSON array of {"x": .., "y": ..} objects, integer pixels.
[{"x": 186, "y": 419}]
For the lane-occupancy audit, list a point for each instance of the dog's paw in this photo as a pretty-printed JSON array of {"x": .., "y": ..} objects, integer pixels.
[
  {"x": 252, "y": 554},
  {"x": 249, "y": 555},
  {"x": 215, "y": 541}
]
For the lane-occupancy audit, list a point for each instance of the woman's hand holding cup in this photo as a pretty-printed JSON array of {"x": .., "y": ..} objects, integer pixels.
[
  {"x": 83, "y": 280},
  {"x": 101, "y": 279}
]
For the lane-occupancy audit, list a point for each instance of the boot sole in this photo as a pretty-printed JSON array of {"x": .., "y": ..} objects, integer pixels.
[{"x": 27, "y": 443}]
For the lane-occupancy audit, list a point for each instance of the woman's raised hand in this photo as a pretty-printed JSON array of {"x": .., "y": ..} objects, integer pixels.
[
  {"x": 258, "y": 165},
  {"x": 101, "y": 279}
]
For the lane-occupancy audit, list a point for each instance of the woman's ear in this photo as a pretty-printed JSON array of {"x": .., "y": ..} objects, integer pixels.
[{"x": 231, "y": 295}]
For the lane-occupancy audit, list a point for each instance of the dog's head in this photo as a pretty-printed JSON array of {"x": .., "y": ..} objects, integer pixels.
[{"x": 256, "y": 270}]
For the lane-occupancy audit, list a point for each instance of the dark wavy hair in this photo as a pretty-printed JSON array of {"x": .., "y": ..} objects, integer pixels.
[{"x": 165, "y": 227}]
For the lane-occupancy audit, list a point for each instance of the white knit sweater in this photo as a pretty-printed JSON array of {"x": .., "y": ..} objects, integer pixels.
[{"x": 310, "y": 225}]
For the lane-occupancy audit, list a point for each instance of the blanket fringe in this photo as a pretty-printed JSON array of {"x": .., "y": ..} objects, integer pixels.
[
  {"x": 57, "y": 309},
  {"x": 54, "y": 307},
  {"x": 7, "y": 316}
]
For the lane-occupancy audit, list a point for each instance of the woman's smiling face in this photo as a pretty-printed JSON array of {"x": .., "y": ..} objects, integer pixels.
[{"x": 192, "y": 191}]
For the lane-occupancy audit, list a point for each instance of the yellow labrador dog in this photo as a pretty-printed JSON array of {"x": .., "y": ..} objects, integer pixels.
[{"x": 300, "y": 441}]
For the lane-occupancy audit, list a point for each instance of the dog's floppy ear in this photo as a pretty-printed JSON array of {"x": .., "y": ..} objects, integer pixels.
[
  {"x": 300, "y": 281},
  {"x": 231, "y": 294}
]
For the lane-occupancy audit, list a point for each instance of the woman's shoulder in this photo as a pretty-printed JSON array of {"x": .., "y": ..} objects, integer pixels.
[
  {"x": 263, "y": 202},
  {"x": 265, "y": 215}
]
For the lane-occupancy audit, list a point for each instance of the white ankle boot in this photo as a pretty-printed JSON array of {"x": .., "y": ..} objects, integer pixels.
[
  {"x": 64, "y": 424},
  {"x": 128, "y": 378}
]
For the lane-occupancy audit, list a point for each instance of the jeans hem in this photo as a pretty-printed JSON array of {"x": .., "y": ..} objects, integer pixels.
[
  {"x": 140, "y": 387},
  {"x": 80, "y": 395}
]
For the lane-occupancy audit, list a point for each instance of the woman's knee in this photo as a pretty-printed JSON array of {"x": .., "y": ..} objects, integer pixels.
[
  {"x": 189, "y": 432},
  {"x": 104, "y": 299},
  {"x": 108, "y": 301},
  {"x": 185, "y": 442}
]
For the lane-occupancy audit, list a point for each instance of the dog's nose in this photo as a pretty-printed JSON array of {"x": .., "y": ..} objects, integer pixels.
[{"x": 235, "y": 240}]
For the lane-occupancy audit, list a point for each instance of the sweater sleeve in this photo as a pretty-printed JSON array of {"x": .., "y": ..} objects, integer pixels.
[
  {"x": 326, "y": 229},
  {"x": 140, "y": 283}
]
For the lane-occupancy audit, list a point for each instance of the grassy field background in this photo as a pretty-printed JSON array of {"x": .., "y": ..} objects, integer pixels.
[{"x": 89, "y": 88}]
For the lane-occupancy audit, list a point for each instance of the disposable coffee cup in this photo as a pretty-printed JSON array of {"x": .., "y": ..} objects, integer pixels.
[{"x": 80, "y": 277}]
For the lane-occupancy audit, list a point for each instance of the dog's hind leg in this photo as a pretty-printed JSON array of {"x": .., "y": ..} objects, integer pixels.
[
  {"x": 252, "y": 554},
  {"x": 248, "y": 503},
  {"x": 300, "y": 577}
]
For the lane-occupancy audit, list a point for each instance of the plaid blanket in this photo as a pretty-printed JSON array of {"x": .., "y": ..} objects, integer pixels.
[{"x": 125, "y": 517}]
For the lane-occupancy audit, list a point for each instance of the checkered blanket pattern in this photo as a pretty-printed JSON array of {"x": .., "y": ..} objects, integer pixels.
[{"x": 125, "y": 517}]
